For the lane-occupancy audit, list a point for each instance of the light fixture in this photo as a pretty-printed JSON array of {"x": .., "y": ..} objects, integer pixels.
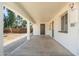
[{"x": 71, "y": 5}]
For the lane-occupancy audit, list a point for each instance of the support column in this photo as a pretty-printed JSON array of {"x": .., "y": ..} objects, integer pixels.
[
  {"x": 28, "y": 30},
  {"x": 1, "y": 29}
]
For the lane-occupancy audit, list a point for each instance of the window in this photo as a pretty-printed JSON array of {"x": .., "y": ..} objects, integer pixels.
[{"x": 64, "y": 23}]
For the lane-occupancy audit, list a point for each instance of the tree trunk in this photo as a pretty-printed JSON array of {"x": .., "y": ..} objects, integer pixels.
[{"x": 10, "y": 30}]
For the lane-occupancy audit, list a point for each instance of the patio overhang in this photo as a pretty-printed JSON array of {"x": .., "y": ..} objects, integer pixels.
[{"x": 18, "y": 9}]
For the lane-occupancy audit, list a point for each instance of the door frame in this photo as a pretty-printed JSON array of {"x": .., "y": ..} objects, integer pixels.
[{"x": 52, "y": 28}]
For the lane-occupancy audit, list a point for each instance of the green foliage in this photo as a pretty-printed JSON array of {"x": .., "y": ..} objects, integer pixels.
[
  {"x": 24, "y": 23},
  {"x": 19, "y": 22},
  {"x": 9, "y": 20}
]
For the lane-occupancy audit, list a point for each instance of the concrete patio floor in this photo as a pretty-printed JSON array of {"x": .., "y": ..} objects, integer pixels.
[{"x": 37, "y": 46}]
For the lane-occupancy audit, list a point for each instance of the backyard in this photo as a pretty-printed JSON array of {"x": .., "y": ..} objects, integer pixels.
[{"x": 15, "y": 27}]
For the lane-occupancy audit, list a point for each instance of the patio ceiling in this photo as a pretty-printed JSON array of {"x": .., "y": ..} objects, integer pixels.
[{"x": 42, "y": 11}]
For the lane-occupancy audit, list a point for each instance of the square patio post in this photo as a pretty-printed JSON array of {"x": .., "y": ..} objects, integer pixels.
[
  {"x": 1, "y": 29},
  {"x": 28, "y": 30}
]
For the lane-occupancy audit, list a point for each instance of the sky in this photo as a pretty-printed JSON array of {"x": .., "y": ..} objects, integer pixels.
[{"x": 5, "y": 12}]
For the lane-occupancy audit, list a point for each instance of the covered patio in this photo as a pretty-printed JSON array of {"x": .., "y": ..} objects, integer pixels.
[{"x": 55, "y": 29}]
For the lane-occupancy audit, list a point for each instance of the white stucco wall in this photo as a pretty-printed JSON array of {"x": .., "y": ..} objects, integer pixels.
[
  {"x": 36, "y": 28},
  {"x": 1, "y": 30},
  {"x": 69, "y": 40}
]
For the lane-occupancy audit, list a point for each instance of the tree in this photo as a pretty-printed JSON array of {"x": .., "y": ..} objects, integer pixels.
[
  {"x": 18, "y": 22},
  {"x": 5, "y": 18},
  {"x": 5, "y": 22},
  {"x": 24, "y": 23},
  {"x": 9, "y": 20}
]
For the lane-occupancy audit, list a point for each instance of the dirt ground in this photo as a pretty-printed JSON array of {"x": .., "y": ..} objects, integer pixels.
[{"x": 11, "y": 37}]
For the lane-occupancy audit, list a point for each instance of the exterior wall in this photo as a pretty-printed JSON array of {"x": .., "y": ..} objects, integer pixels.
[
  {"x": 36, "y": 28},
  {"x": 70, "y": 39},
  {"x": 1, "y": 30},
  {"x": 49, "y": 29}
]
